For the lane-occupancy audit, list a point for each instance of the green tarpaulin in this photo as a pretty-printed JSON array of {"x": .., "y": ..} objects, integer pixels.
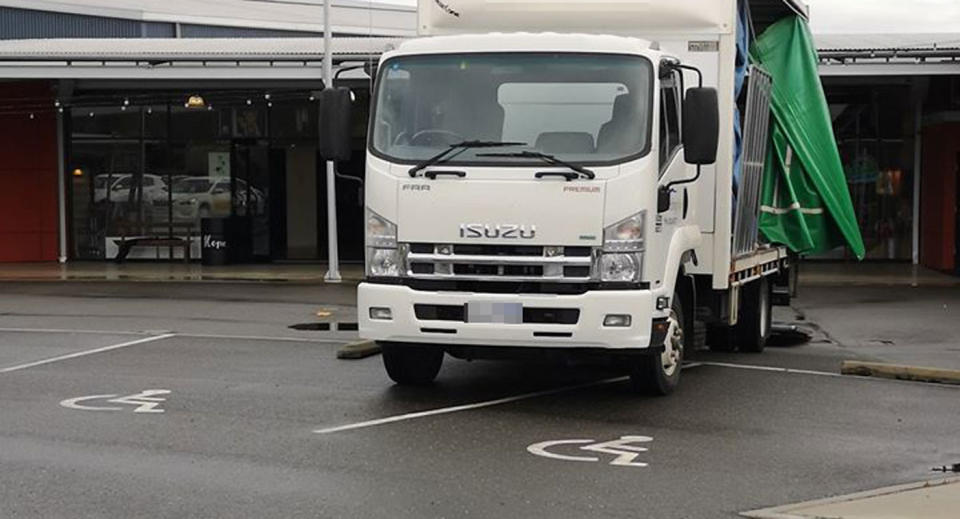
[{"x": 805, "y": 201}]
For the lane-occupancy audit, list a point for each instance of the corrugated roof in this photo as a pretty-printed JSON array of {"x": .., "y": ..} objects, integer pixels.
[
  {"x": 349, "y": 16},
  {"x": 867, "y": 42},
  {"x": 206, "y": 49}
]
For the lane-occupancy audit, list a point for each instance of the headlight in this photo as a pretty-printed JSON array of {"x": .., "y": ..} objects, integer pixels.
[
  {"x": 384, "y": 263},
  {"x": 626, "y": 235},
  {"x": 381, "y": 233},
  {"x": 383, "y": 257},
  {"x": 619, "y": 268}
]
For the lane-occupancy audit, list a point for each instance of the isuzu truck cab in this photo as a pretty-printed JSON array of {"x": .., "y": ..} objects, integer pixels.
[{"x": 556, "y": 178}]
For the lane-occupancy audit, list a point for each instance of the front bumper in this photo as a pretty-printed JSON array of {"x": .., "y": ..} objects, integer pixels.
[{"x": 588, "y": 332}]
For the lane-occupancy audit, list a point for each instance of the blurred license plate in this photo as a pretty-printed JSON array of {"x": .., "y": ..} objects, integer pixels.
[{"x": 500, "y": 313}]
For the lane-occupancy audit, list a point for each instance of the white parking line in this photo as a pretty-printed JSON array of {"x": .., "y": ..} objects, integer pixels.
[
  {"x": 87, "y": 352},
  {"x": 773, "y": 369},
  {"x": 478, "y": 405},
  {"x": 467, "y": 407}
]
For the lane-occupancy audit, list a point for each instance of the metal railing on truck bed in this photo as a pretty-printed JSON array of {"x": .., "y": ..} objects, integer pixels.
[{"x": 756, "y": 138}]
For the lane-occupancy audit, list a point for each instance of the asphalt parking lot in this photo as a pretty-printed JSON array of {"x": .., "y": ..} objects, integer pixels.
[{"x": 199, "y": 402}]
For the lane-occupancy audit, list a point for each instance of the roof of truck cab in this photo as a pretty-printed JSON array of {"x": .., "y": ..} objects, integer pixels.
[{"x": 525, "y": 42}]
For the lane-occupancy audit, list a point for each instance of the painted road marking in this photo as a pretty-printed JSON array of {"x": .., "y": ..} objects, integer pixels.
[
  {"x": 467, "y": 407},
  {"x": 626, "y": 453},
  {"x": 146, "y": 401},
  {"x": 479, "y": 405},
  {"x": 772, "y": 369},
  {"x": 87, "y": 352}
]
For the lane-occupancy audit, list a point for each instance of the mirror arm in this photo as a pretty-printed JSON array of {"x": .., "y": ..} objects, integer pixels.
[
  {"x": 678, "y": 65},
  {"x": 663, "y": 196}
]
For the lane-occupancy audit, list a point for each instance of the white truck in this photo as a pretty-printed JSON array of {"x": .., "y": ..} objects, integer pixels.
[{"x": 564, "y": 186}]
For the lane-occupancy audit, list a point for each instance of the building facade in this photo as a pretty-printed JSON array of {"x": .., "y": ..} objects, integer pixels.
[
  {"x": 121, "y": 120},
  {"x": 895, "y": 102},
  {"x": 124, "y": 121}
]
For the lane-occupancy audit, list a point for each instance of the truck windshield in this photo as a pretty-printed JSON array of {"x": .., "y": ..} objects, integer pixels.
[{"x": 581, "y": 108}]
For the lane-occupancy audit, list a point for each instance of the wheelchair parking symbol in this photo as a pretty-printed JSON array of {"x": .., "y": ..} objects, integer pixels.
[
  {"x": 625, "y": 450},
  {"x": 147, "y": 401}
]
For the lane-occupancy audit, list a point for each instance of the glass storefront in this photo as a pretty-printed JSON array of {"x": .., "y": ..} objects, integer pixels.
[
  {"x": 874, "y": 125},
  {"x": 150, "y": 167}
]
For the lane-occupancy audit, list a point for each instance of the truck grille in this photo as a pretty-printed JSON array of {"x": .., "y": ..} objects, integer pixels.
[{"x": 499, "y": 262}]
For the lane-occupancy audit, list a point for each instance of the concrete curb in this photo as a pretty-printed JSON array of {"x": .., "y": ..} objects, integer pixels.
[
  {"x": 899, "y": 372},
  {"x": 358, "y": 350},
  {"x": 797, "y": 510}
]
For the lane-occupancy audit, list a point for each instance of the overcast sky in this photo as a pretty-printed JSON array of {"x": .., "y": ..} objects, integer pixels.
[
  {"x": 844, "y": 16},
  {"x": 872, "y": 16}
]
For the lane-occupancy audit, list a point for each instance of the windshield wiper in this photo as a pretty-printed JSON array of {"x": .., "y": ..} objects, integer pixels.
[
  {"x": 549, "y": 159},
  {"x": 459, "y": 147}
]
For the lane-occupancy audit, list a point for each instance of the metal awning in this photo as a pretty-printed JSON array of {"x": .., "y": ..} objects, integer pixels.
[
  {"x": 356, "y": 17},
  {"x": 167, "y": 58},
  {"x": 200, "y": 49},
  {"x": 889, "y": 54}
]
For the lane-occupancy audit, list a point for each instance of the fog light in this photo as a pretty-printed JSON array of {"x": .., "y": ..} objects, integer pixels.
[
  {"x": 381, "y": 314},
  {"x": 617, "y": 321}
]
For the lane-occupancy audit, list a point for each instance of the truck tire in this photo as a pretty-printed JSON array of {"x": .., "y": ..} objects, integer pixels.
[
  {"x": 411, "y": 364},
  {"x": 659, "y": 375},
  {"x": 756, "y": 309}
]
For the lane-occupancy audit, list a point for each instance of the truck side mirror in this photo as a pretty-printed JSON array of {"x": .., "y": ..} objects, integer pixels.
[
  {"x": 335, "y": 124},
  {"x": 701, "y": 126}
]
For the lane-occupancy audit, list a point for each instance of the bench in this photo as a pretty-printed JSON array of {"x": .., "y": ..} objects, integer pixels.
[{"x": 156, "y": 235}]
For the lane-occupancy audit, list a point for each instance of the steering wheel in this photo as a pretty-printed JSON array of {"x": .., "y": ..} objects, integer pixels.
[{"x": 435, "y": 138}]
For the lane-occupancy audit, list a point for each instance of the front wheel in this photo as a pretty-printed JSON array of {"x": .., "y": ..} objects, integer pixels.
[
  {"x": 659, "y": 375},
  {"x": 411, "y": 364}
]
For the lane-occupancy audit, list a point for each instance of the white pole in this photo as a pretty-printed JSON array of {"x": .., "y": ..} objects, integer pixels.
[
  {"x": 61, "y": 190},
  {"x": 333, "y": 271}
]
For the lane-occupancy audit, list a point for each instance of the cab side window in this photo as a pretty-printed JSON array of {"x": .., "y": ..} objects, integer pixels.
[{"x": 669, "y": 118}]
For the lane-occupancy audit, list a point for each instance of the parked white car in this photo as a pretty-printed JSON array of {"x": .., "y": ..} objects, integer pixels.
[
  {"x": 202, "y": 197},
  {"x": 116, "y": 188}
]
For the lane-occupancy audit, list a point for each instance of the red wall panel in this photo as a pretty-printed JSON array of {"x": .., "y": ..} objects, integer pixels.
[
  {"x": 938, "y": 201},
  {"x": 28, "y": 173}
]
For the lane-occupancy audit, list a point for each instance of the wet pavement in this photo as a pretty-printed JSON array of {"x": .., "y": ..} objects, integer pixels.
[{"x": 230, "y": 427}]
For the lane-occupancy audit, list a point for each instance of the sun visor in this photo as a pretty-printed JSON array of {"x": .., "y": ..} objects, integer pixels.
[{"x": 623, "y": 17}]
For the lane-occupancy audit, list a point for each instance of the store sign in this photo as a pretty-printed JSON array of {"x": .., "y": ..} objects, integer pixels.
[{"x": 211, "y": 242}]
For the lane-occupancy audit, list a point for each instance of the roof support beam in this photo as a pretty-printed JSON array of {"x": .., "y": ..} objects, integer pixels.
[
  {"x": 891, "y": 69},
  {"x": 228, "y": 73}
]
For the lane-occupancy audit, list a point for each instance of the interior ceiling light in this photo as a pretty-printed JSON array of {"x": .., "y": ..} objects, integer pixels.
[{"x": 196, "y": 101}]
